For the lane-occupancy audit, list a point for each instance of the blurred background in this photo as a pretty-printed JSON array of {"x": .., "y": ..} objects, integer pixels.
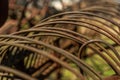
[{"x": 24, "y": 14}]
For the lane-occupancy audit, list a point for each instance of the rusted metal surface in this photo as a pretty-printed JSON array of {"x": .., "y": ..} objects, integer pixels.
[{"x": 58, "y": 41}]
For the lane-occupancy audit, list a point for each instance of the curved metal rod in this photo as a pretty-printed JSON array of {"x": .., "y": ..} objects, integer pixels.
[
  {"x": 110, "y": 55},
  {"x": 55, "y": 30},
  {"x": 89, "y": 23},
  {"x": 93, "y": 19},
  {"x": 32, "y": 43},
  {"x": 63, "y": 52},
  {"x": 50, "y": 28},
  {"x": 117, "y": 61},
  {"x": 68, "y": 22},
  {"x": 61, "y": 34},
  {"x": 100, "y": 41},
  {"x": 107, "y": 13},
  {"x": 40, "y": 52},
  {"x": 83, "y": 13},
  {"x": 77, "y": 40},
  {"x": 16, "y": 72},
  {"x": 107, "y": 9},
  {"x": 50, "y": 31},
  {"x": 112, "y": 14},
  {"x": 65, "y": 35},
  {"x": 58, "y": 35},
  {"x": 71, "y": 32}
]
